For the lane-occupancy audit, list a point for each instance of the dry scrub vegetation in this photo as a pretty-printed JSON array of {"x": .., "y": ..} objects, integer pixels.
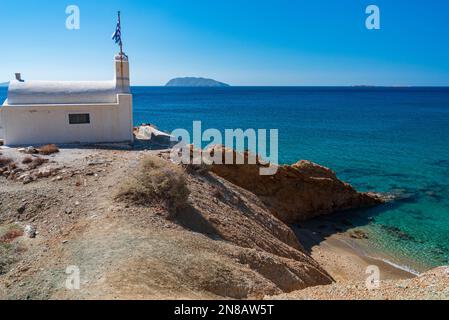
[
  {"x": 36, "y": 163},
  {"x": 48, "y": 149},
  {"x": 4, "y": 161},
  {"x": 27, "y": 160},
  {"x": 9, "y": 249},
  {"x": 156, "y": 182}
]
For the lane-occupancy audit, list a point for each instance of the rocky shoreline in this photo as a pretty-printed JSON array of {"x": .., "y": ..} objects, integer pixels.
[{"x": 232, "y": 239}]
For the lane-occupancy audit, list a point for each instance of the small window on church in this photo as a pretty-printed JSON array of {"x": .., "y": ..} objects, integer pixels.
[{"x": 79, "y": 118}]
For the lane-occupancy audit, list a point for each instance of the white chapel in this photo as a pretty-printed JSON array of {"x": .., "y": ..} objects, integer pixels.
[
  {"x": 63, "y": 112},
  {"x": 41, "y": 112}
]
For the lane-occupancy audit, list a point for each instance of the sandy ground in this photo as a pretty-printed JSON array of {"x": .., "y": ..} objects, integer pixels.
[
  {"x": 344, "y": 250},
  {"x": 345, "y": 260},
  {"x": 432, "y": 285}
]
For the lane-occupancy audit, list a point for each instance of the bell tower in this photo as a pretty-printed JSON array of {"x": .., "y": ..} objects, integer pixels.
[{"x": 121, "y": 63}]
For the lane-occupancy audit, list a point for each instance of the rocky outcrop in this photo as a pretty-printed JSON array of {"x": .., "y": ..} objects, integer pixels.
[
  {"x": 298, "y": 192},
  {"x": 227, "y": 212}
]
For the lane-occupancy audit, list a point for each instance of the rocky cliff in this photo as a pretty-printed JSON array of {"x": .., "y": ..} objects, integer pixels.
[{"x": 298, "y": 192}]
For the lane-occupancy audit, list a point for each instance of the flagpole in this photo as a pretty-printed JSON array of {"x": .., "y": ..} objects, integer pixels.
[
  {"x": 121, "y": 44},
  {"x": 121, "y": 52}
]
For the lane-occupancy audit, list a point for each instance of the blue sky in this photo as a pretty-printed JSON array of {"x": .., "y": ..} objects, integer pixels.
[{"x": 245, "y": 42}]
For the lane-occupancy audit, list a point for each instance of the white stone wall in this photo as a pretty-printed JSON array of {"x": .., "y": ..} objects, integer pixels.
[
  {"x": 1, "y": 125},
  {"x": 37, "y": 125}
]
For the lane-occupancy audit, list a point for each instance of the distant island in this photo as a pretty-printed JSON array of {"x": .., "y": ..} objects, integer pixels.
[
  {"x": 4, "y": 84},
  {"x": 195, "y": 82}
]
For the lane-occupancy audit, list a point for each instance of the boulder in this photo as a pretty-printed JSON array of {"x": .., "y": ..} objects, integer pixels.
[
  {"x": 28, "y": 150},
  {"x": 44, "y": 173},
  {"x": 150, "y": 133},
  {"x": 30, "y": 231}
]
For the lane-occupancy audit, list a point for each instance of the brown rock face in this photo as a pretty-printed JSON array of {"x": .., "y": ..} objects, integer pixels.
[
  {"x": 297, "y": 192},
  {"x": 261, "y": 241}
]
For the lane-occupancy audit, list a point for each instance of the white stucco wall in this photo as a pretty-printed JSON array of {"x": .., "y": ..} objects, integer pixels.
[
  {"x": 42, "y": 124},
  {"x": 1, "y": 125}
]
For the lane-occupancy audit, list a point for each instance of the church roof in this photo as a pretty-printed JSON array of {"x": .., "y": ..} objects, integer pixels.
[{"x": 61, "y": 92}]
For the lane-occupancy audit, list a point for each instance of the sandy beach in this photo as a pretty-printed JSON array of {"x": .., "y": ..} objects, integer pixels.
[{"x": 346, "y": 260}]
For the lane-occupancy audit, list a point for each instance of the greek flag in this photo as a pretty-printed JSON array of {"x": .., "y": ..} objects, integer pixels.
[{"x": 117, "y": 36}]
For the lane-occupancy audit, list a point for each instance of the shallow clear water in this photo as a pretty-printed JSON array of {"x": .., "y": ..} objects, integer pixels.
[{"x": 393, "y": 140}]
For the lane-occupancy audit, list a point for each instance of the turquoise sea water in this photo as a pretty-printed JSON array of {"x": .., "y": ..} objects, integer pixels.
[{"x": 392, "y": 140}]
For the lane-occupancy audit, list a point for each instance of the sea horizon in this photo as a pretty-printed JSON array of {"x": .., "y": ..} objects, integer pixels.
[
  {"x": 300, "y": 86},
  {"x": 360, "y": 86}
]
